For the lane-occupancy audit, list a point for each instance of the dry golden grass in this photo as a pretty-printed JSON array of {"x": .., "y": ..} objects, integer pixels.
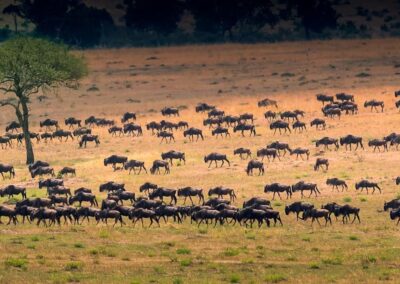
[{"x": 233, "y": 77}]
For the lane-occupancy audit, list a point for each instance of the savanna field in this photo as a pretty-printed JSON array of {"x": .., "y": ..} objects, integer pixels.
[{"x": 234, "y": 78}]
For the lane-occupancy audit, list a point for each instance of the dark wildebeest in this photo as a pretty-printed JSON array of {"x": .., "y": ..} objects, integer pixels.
[
  {"x": 18, "y": 137},
  {"x": 298, "y": 207},
  {"x": 91, "y": 120},
  {"x": 267, "y": 102},
  {"x": 269, "y": 152},
  {"x": 395, "y": 141},
  {"x": 4, "y": 142},
  {"x": 241, "y": 152},
  {"x": 203, "y": 107},
  {"x": 348, "y": 140},
  {"x": 346, "y": 211},
  {"x": 106, "y": 214},
  {"x": 131, "y": 165},
  {"x": 324, "y": 98},
  {"x": 41, "y": 171},
  {"x": 378, "y": 143},
  {"x": 277, "y": 188},
  {"x": 142, "y": 213},
  {"x": 162, "y": 192},
  {"x": 128, "y": 116},
  {"x": 13, "y": 126},
  {"x": 114, "y": 130},
  {"x": 321, "y": 162},
  {"x": 104, "y": 122},
  {"x": 349, "y": 107},
  {"x": 289, "y": 115},
  {"x": 51, "y": 182},
  {"x": 37, "y": 164},
  {"x": 167, "y": 125},
  {"x": 332, "y": 112},
  {"x": 43, "y": 214},
  {"x": 182, "y": 125},
  {"x": 114, "y": 160},
  {"x": 205, "y": 215},
  {"x": 279, "y": 124},
  {"x": 280, "y": 146},
  {"x": 392, "y": 204},
  {"x": 12, "y": 190},
  {"x": 71, "y": 121},
  {"x": 256, "y": 201},
  {"x": 191, "y": 192},
  {"x": 168, "y": 111},
  {"x": 89, "y": 138},
  {"x": 231, "y": 120},
  {"x": 125, "y": 195},
  {"x": 335, "y": 183},
  {"x": 82, "y": 131},
  {"x": 84, "y": 197},
  {"x": 111, "y": 186},
  {"x": 214, "y": 157},
  {"x": 365, "y": 184},
  {"x": 303, "y": 186},
  {"x": 220, "y": 191},
  {"x": 173, "y": 155},
  {"x": 58, "y": 190},
  {"x": 191, "y": 132},
  {"x": 246, "y": 116},
  {"x": 326, "y": 141},
  {"x": 397, "y": 94},
  {"x": 315, "y": 214},
  {"x": 211, "y": 122},
  {"x": 147, "y": 186},
  {"x": 167, "y": 136},
  {"x": 133, "y": 129},
  {"x": 398, "y": 104},
  {"x": 82, "y": 189},
  {"x": 245, "y": 127},
  {"x": 395, "y": 214},
  {"x": 67, "y": 170},
  {"x": 166, "y": 211},
  {"x": 398, "y": 180},
  {"x": 48, "y": 123},
  {"x": 345, "y": 97},
  {"x": 299, "y": 125},
  {"x": 4, "y": 168},
  {"x": 154, "y": 126},
  {"x": 300, "y": 152},
  {"x": 374, "y": 104},
  {"x": 270, "y": 115},
  {"x": 318, "y": 122},
  {"x": 216, "y": 113},
  {"x": 157, "y": 164},
  {"x": 254, "y": 164},
  {"x": 220, "y": 131},
  {"x": 60, "y": 134}
]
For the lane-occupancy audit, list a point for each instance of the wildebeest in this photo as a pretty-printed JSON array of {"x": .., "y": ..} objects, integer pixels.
[
  {"x": 133, "y": 129},
  {"x": 58, "y": 190},
  {"x": 254, "y": 164},
  {"x": 173, "y": 155},
  {"x": 245, "y": 127},
  {"x": 326, "y": 141},
  {"x": 67, "y": 170},
  {"x": 203, "y": 107},
  {"x": 267, "y": 102},
  {"x": 114, "y": 160},
  {"x": 374, "y": 104},
  {"x": 332, "y": 112},
  {"x": 4, "y": 168},
  {"x": 392, "y": 204},
  {"x": 162, "y": 192},
  {"x": 212, "y": 122},
  {"x": 349, "y": 107},
  {"x": 214, "y": 157},
  {"x": 395, "y": 141},
  {"x": 142, "y": 213},
  {"x": 241, "y": 152},
  {"x": 37, "y": 164},
  {"x": 315, "y": 214},
  {"x": 183, "y": 125},
  {"x": 345, "y": 97},
  {"x": 166, "y": 211},
  {"x": 321, "y": 162},
  {"x": 216, "y": 113},
  {"x": 299, "y": 125},
  {"x": 153, "y": 126},
  {"x": 147, "y": 186},
  {"x": 397, "y": 104},
  {"x": 84, "y": 197},
  {"x": 131, "y": 165},
  {"x": 191, "y": 132},
  {"x": 246, "y": 116},
  {"x": 335, "y": 183},
  {"x": 269, "y": 152},
  {"x": 105, "y": 214},
  {"x": 191, "y": 192},
  {"x": 82, "y": 189},
  {"x": 205, "y": 215},
  {"x": 378, "y": 143},
  {"x": 324, "y": 98},
  {"x": 157, "y": 164},
  {"x": 348, "y": 140},
  {"x": 91, "y": 120},
  {"x": 41, "y": 171},
  {"x": 11, "y": 190},
  {"x": 59, "y": 200},
  {"x": 365, "y": 184},
  {"x": 128, "y": 116},
  {"x": 270, "y": 115},
  {"x": 111, "y": 186},
  {"x": 220, "y": 191},
  {"x": 82, "y": 131},
  {"x": 256, "y": 201},
  {"x": 289, "y": 115},
  {"x": 300, "y": 152},
  {"x": 13, "y": 126},
  {"x": 5, "y": 142},
  {"x": 280, "y": 146},
  {"x": 48, "y": 123},
  {"x": 279, "y": 124},
  {"x": 318, "y": 122},
  {"x": 220, "y": 131},
  {"x": 346, "y": 211},
  {"x": 298, "y": 207},
  {"x": 60, "y": 134},
  {"x": 125, "y": 195},
  {"x": 115, "y": 129},
  {"x": 102, "y": 122},
  {"x": 51, "y": 182},
  {"x": 168, "y": 111},
  {"x": 277, "y": 188},
  {"x": 303, "y": 186},
  {"x": 395, "y": 214},
  {"x": 43, "y": 214},
  {"x": 231, "y": 120},
  {"x": 89, "y": 138},
  {"x": 71, "y": 121},
  {"x": 398, "y": 180},
  {"x": 167, "y": 136}
]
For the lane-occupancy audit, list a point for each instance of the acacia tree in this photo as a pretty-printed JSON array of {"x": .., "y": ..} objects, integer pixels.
[{"x": 29, "y": 66}]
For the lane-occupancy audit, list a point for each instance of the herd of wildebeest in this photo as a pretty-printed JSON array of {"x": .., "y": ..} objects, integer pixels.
[{"x": 152, "y": 205}]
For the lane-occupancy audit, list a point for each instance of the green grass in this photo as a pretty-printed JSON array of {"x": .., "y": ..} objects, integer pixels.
[{"x": 16, "y": 262}]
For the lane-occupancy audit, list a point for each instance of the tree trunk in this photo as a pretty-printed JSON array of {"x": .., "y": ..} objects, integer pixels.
[
  {"x": 15, "y": 23},
  {"x": 23, "y": 119}
]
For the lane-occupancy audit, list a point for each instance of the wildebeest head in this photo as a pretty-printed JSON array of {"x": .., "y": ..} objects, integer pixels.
[{"x": 357, "y": 185}]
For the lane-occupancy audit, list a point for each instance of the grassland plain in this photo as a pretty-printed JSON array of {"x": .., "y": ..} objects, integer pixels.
[{"x": 233, "y": 77}]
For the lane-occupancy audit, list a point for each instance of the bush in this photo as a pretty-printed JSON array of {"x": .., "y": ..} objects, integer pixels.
[
  {"x": 74, "y": 265},
  {"x": 186, "y": 262},
  {"x": 16, "y": 262},
  {"x": 274, "y": 278},
  {"x": 183, "y": 251}
]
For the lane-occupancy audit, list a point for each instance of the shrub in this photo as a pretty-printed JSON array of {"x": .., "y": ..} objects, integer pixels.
[
  {"x": 231, "y": 252},
  {"x": 274, "y": 278},
  {"x": 186, "y": 262},
  {"x": 73, "y": 265},
  {"x": 183, "y": 251},
  {"x": 16, "y": 262}
]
